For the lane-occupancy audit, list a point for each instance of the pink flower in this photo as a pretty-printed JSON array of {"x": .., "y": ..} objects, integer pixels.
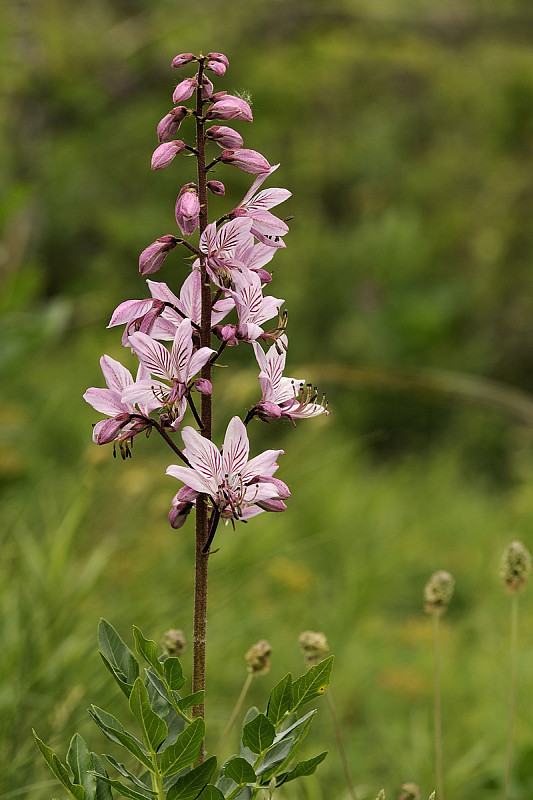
[
  {"x": 283, "y": 397},
  {"x": 122, "y": 425},
  {"x": 188, "y": 209},
  {"x": 230, "y": 107},
  {"x": 224, "y": 137},
  {"x": 238, "y": 488},
  {"x": 177, "y": 368},
  {"x": 253, "y": 308},
  {"x": 137, "y": 315},
  {"x": 220, "y": 246},
  {"x": 182, "y": 59},
  {"x": 184, "y": 90},
  {"x": 170, "y": 123},
  {"x": 247, "y": 160},
  {"x": 153, "y": 256},
  {"x": 165, "y": 153},
  {"x": 255, "y": 205}
]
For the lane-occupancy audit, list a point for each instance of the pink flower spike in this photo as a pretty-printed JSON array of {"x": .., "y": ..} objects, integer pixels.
[
  {"x": 237, "y": 487},
  {"x": 184, "y": 90},
  {"x": 165, "y": 153},
  {"x": 230, "y": 107},
  {"x": 216, "y": 187},
  {"x": 153, "y": 256},
  {"x": 225, "y": 137},
  {"x": 170, "y": 123},
  {"x": 188, "y": 209},
  {"x": 182, "y": 59},
  {"x": 247, "y": 160}
]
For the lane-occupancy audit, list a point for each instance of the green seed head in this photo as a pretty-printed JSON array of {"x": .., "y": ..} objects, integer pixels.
[
  {"x": 314, "y": 646},
  {"x": 173, "y": 642},
  {"x": 258, "y": 658},
  {"x": 515, "y": 567},
  {"x": 438, "y": 592},
  {"x": 409, "y": 791}
]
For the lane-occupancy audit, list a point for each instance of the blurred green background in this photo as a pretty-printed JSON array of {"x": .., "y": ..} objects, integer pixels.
[{"x": 405, "y": 133}]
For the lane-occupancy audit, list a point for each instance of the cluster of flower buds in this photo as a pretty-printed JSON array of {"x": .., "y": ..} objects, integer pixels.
[{"x": 172, "y": 335}]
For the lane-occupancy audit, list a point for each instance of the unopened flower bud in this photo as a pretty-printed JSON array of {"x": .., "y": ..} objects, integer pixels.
[
  {"x": 184, "y": 90},
  {"x": 258, "y": 658},
  {"x": 515, "y": 567},
  {"x": 173, "y": 642},
  {"x": 220, "y": 57},
  {"x": 217, "y": 187},
  {"x": 165, "y": 153},
  {"x": 170, "y": 123},
  {"x": 230, "y": 107},
  {"x": 225, "y": 137},
  {"x": 203, "y": 385},
  {"x": 153, "y": 256},
  {"x": 182, "y": 59},
  {"x": 107, "y": 430},
  {"x": 314, "y": 646},
  {"x": 438, "y": 592},
  {"x": 247, "y": 160},
  {"x": 188, "y": 209},
  {"x": 207, "y": 88},
  {"x": 409, "y": 791}
]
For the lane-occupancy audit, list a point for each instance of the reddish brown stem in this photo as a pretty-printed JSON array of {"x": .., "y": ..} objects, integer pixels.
[{"x": 202, "y": 522}]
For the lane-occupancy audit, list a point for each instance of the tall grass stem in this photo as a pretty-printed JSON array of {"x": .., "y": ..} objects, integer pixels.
[
  {"x": 437, "y": 714},
  {"x": 340, "y": 743},
  {"x": 512, "y": 694}
]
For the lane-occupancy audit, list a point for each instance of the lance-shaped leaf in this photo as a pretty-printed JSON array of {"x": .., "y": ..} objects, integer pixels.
[
  {"x": 103, "y": 791},
  {"x": 117, "y": 657},
  {"x": 147, "y": 648},
  {"x": 59, "y": 770},
  {"x": 280, "y": 700},
  {"x": 124, "y": 771},
  {"x": 302, "y": 769},
  {"x": 127, "y": 791},
  {"x": 312, "y": 684},
  {"x": 298, "y": 728},
  {"x": 191, "y": 700},
  {"x": 153, "y": 727},
  {"x": 239, "y": 770},
  {"x": 274, "y": 758},
  {"x": 116, "y": 733},
  {"x": 258, "y": 734},
  {"x": 81, "y": 763},
  {"x": 186, "y": 749},
  {"x": 189, "y": 786}
]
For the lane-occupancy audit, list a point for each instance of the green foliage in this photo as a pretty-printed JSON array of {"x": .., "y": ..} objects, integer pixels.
[{"x": 170, "y": 747}]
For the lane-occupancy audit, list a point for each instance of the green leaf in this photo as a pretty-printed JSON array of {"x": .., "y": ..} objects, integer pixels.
[
  {"x": 258, "y": 734},
  {"x": 81, "y": 763},
  {"x": 127, "y": 791},
  {"x": 303, "y": 724},
  {"x": 153, "y": 727},
  {"x": 59, "y": 770},
  {"x": 103, "y": 791},
  {"x": 302, "y": 769},
  {"x": 114, "y": 731},
  {"x": 190, "y": 700},
  {"x": 280, "y": 700},
  {"x": 124, "y": 771},
  {"x": 275, "y": 756},
  {"x": 173, "y": 673},
  {"x": 147, "y": 648},
  {"x": 117, "y": 656},
  {"x": 186, "y": 750},
  {"x": 239, "y": 770},
  {"x": 312, "y": 684},
  {"x": 211, "y": 793},
  {"x": 189, "y": 786}
]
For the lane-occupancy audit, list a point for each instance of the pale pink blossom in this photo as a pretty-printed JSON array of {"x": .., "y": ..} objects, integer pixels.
[
  {"x": 283, "y": 397},
  {"x": 256, "y": 205},
  {"x": 165, "y": 153},
  {"x": 188, "y": 304},
  {"x": 229, "y": 107},
  {"x": 175, "y": 369},
  {"x": 253, "y": 309},
  {"x": 247, "y": 160},
  {"x": 238, "y": 488},
  {"x": 225, "y": 137},
  {"x": 220, "y": 245},
  {"x": 188, "y": 209},
  {"x": 124, "y": 422},
  {"x": 153, "y": 256}
]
